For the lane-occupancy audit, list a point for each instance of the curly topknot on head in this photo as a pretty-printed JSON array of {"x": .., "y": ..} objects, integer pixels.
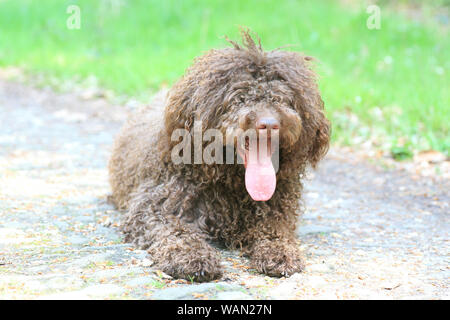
[{"x": 254, "y": 51}]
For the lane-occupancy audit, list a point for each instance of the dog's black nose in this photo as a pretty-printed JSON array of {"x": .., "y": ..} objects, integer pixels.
[{"x": 267, "y": 123}]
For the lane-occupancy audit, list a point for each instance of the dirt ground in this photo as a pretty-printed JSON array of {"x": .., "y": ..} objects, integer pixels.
[{"x": 370, "y": 230}]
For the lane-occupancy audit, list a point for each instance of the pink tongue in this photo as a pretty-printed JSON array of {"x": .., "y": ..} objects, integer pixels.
[{"x": 260, "y": 179}]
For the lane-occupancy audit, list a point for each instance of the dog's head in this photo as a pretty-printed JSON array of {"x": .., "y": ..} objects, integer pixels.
[{"x": 251, "y": 95}]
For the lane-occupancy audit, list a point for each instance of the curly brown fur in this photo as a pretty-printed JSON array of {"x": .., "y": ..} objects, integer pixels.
[{"x": 174, "y": 210}]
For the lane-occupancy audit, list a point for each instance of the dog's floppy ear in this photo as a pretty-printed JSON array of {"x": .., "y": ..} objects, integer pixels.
[
  {"x": 309, "y": 104},
  {"x": 320, "y": 138}
]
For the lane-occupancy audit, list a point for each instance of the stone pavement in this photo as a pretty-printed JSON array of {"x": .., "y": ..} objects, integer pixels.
[{"x": 367, "y": 233}]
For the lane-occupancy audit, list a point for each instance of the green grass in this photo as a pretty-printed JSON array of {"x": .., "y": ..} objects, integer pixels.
[
  {"x": 388, "y": 85},
  {"x": 157, "y": 284}
]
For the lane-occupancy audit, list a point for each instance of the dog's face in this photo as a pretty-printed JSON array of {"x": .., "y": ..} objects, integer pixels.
[
  {"x": 262, "y": 102},
  {"x": 261, "y": 111},
  {"x": 279, "y": 121}
]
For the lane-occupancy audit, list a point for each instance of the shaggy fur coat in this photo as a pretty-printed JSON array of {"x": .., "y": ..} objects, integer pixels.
[{"x": 174, "y": 210}]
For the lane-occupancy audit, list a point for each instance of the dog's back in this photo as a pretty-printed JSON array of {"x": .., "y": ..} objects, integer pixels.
[{"x": 137, "y": 140}]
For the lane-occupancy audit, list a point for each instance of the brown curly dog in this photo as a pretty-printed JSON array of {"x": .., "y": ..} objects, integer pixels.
[{"x": 174, "y": 210}]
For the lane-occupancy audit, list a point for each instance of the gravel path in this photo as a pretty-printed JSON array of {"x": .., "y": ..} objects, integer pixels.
[{"x": 367, "y": 233}]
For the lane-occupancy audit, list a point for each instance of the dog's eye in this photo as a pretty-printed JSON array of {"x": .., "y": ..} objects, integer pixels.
[{"x": 288, "y": 109}]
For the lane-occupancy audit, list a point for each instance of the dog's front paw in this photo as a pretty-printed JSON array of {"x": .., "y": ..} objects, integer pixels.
[
  {"x": 277, "y": 260},
  {"x": 200, "y": 270},
  {"x": 191, "y": 261}
]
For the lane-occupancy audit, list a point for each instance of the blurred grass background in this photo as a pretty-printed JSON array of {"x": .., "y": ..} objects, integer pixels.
[{"x": 387, "y": 87}]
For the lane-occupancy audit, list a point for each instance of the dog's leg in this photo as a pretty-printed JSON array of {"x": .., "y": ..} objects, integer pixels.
[
  {"x": 153, "y": 223},
  {"x": 274, "y": 250}
]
